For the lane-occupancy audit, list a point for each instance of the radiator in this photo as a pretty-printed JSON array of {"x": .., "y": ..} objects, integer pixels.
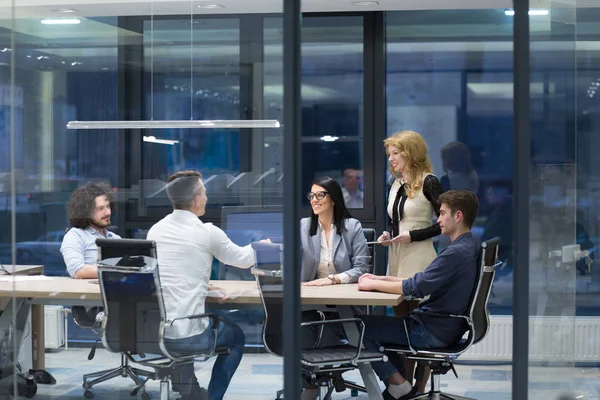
[
  {"x": 54, "y": 327},
  {"x": 575, "y": 339}
]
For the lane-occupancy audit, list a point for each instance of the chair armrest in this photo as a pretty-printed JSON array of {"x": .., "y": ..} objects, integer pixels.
[
  {"x": 214, "y": 317},
  {"x": 265, "y": 272},
  {"x": 320, "y": 334},
  {"x": 434, "y": 314},
  {"x": 354, "y": 360}
]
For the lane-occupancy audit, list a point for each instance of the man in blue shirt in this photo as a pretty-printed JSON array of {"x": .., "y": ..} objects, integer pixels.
[
  {"x": 449, "y": 281},
  {"x": 89, "y": 210}
]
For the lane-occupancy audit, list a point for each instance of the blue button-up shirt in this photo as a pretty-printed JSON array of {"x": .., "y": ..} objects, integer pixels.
[
  {"x": 449, "y": 281},
  {"x": 79, "y": 248}
]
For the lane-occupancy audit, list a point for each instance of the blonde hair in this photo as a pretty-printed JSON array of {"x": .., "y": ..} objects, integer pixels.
[{"x": 413, "y": 150}]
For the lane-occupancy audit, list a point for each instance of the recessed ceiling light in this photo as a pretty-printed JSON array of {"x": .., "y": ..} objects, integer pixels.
[
  {"x": 541, "y": 12},
  {"x": 62, "y": 21},
  {"x": 365, "y": 3},
  {"x": 65, "y": 10},
  {"x": 210, "y": 6}
]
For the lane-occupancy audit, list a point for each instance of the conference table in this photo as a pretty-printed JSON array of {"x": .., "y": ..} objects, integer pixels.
[{"x": 37, "y": 291}]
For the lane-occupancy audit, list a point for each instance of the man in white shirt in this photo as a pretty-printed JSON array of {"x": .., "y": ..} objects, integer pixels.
[{"x": 186, "y": 247}]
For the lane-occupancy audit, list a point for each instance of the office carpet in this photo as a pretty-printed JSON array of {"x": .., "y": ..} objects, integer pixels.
[{"x": 260, "y": 376}]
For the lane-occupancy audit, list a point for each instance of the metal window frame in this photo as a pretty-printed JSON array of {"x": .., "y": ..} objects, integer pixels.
[{"x": 521, "y": 190}]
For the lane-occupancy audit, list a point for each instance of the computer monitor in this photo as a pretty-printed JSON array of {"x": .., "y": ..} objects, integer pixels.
[
  {"x": 112, "y": 251},
  {"x": 248, "y": 224}
]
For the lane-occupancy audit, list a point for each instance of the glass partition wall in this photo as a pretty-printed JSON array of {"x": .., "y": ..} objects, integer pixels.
[
  {"x": 126, "y": 64},
  {"x": 366, "y": 72}
]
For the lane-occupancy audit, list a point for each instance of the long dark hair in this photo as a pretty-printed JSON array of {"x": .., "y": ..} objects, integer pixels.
[
  {"x": 340, "y": 212},
  {"x": 83, "y": 202}
]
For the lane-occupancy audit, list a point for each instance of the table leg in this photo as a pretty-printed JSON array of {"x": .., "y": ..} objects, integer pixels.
[
  {"x": 366, "y": 372},
  {"x": 38, "y": 345}
]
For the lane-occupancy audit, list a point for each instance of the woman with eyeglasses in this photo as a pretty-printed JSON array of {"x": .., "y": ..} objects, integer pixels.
[
  {"x": 334, "y": 252},
  {"x": 334, "y": 248}
]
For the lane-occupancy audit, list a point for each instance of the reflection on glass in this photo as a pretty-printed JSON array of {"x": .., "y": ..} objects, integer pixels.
[{"x": 332, "y": 101}]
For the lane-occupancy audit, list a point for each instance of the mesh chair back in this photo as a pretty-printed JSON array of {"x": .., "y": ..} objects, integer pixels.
[
  {"x": 270, "y": 286},
  {"x": 479, "y": 311},
  {"x": 370, "y": 236},
  {"x": 131, "y": 296}
]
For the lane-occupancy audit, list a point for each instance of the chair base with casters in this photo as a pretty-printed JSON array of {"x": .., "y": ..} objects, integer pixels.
[
  {"x": 124, "y": 370},
  {"x": 332, "y": 379},
  {"x": 165, "y": 367},
  {"x": 438, "y": 368}
]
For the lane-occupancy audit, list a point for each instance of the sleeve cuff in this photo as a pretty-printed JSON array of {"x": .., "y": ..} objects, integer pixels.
[
  {"x": 407, "y": 289},
  {"x": 344, "y": 277}
]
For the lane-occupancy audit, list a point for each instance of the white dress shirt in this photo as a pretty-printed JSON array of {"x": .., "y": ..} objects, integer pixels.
[{"x": 186, "y": 247}]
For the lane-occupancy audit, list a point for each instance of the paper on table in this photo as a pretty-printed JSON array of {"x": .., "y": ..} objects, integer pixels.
[
  {"x": 22, "y": 278},
  {"x": 383, "y": 241}
]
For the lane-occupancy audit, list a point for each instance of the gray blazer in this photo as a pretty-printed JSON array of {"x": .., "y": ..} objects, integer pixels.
[{"x": 350, "y": 252}]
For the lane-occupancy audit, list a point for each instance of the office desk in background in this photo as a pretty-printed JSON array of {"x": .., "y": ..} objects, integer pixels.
[{"x": 37, "y": 311}]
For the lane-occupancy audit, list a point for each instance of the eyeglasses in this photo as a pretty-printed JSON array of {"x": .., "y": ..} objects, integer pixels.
[{"x": 318, "y": 195}]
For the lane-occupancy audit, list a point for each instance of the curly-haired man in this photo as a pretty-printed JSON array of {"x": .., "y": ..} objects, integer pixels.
[{"x": 89, "y": 210}]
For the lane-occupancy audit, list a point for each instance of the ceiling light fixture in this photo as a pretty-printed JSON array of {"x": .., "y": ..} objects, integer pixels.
[
  {"x": 539, "y": 12},
  {"x": 65, "y": 10},
  {"x": 175, "y": 124},
  {"x": 329, "y": 138},
  {"x": 210, "y": 6},
  {"x": 365, "y": 3},
  {"x": 153, "y": 139},
  {"x": 62, "y": 21}
]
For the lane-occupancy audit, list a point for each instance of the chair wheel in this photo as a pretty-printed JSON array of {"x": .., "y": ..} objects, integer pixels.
[{"x": 88, "y": 394}]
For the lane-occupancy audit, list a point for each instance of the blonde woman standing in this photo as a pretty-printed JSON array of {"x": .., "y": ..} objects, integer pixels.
[{"x": 412, "y": 204}]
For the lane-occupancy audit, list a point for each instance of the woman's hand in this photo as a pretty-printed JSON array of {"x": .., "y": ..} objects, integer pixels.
[
  {"x": 319, "y": 282},
  {"x": 403, "y": 237},
  {"x": 384, "y": 239}
]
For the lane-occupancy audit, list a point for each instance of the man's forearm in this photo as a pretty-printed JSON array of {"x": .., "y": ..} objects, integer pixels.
[
  {"x": 387, "y": 286},
  {"x": 86, "y": 272},
  {"x": 392, "y": 279}
]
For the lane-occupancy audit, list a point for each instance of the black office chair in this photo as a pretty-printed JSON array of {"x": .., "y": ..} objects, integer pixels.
[
  {"x": 136, "y": 320},
  {"x": 321, "y": 366},
  {"x": 442, "y": 360},
  {"x": 92, "y": 318},
  {"x": 370, "y": 236}
]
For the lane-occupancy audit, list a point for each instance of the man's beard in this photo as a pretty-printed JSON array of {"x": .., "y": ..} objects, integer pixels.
[{"x": 101, "y": 223}]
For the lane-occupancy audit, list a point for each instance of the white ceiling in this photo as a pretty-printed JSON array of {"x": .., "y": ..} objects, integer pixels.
[{"x": 42, "y": 8}]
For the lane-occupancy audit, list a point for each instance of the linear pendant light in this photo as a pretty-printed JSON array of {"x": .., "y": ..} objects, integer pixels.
[{"x": 179, "y": 124}]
